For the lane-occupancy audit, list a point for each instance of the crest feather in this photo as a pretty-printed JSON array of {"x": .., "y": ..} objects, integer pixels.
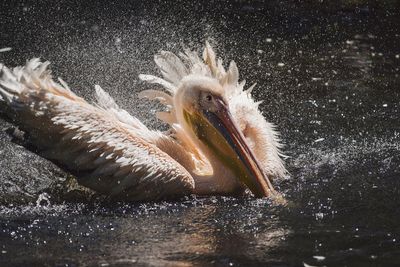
[
  {"x": 175, "y": 68},
  {"x": 171, "y": 67}
]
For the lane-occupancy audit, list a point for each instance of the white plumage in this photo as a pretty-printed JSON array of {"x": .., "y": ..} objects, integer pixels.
[{"x": 113, "y": 153}]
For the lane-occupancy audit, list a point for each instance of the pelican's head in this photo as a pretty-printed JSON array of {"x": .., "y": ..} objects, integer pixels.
[
  {"x": 198, "y": 101},
  {"x": 202, "y": 109}
]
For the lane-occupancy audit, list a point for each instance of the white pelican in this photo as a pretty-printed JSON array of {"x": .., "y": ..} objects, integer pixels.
[{"x": 218, "y": 143}]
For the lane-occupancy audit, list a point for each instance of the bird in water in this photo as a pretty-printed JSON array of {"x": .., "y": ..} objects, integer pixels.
[{"x": 218, "y": 142}]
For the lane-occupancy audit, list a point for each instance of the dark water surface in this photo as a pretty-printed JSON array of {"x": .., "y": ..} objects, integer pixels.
[{"x": 329, "y": 77}]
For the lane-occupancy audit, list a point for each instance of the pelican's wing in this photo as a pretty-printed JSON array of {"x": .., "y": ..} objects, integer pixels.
[{"x": 106, "y": 148}]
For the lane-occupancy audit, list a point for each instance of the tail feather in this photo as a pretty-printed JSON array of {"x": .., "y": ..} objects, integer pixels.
[{"x": 9, "y": 85}]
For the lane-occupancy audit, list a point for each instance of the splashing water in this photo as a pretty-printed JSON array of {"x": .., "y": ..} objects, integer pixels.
[{"x": 329, "y": 76}]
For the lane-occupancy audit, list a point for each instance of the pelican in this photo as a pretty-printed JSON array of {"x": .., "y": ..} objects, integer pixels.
[{"x": 218, "y": 142}]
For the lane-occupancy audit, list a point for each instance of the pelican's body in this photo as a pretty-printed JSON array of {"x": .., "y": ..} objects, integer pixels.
[{"x": 218, "y": 143}]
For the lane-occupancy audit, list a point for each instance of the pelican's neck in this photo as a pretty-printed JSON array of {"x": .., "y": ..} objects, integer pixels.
[{"x": 222, "y": 180}]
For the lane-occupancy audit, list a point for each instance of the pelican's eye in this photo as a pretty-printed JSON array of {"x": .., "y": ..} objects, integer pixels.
[{"x": 207, "y": 101}]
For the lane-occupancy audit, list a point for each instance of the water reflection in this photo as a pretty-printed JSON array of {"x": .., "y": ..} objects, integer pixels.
[
  {"x": 223, "y": 231},
  {"x": 234, "y": 232}
]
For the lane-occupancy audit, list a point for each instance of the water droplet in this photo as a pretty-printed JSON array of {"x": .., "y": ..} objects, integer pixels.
[
  {"x": 5, "y": 49},
  {"x": 319, "y": 258}
]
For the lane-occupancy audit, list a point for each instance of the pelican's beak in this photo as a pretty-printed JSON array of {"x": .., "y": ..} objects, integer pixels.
[{"x": 218, "y": 131}]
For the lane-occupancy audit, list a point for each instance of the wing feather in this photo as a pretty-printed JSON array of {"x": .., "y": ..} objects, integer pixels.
[{"x": 108, "y": 150}]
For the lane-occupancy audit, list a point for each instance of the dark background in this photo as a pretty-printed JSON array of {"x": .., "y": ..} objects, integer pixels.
[{"x": 328, "y": 73}]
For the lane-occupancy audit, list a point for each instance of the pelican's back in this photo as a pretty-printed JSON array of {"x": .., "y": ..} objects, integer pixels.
[{"x": 104, "y": 146}]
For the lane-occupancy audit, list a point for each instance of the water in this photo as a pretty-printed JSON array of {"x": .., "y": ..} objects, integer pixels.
[{"x": 329, "y": 77}]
